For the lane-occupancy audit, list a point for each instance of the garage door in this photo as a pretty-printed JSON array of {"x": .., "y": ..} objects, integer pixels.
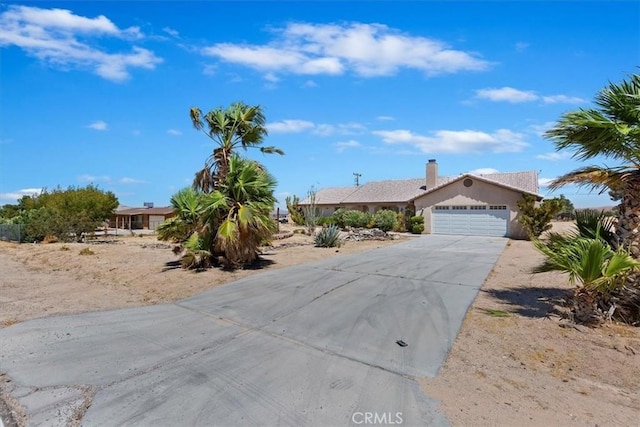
[{"x": 470, "y": 220}]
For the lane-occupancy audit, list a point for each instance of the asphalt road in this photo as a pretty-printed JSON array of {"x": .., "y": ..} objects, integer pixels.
[{"x": 336, "y": 342}]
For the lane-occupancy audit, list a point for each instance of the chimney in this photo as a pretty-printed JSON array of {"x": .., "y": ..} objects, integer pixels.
[{"x": 432, "y": 174}]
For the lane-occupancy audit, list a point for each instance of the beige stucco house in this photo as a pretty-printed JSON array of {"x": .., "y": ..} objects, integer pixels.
[{"x": 469, "y": 204}]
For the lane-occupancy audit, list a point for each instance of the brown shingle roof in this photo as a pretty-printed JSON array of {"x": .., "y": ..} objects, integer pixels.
[{"x": 404, "y": 190}]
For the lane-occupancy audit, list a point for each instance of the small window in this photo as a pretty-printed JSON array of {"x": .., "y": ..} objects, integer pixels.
[
  {"x": 441, "y": 208},
  {"x": 467, "y": 182},
  {"x": 498, "y": 208},
  {"x": 478, "y": 208},
  {"x": 459, "y": 208}
]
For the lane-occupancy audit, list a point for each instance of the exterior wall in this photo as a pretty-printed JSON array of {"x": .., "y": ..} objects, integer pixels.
[{"x": 480, "y": 193}]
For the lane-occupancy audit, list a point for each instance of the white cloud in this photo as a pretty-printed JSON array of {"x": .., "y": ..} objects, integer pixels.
[
  {"x": 98, "y": 125},
  {"x": 515, "y": 96},
  {"x": 17, "y": 195},
  {"x": 209, "y": 70},
  {"x": 171, "y": 32},
  {"x": 544, "y": 182},
  {"x": 289, "y": 126},
  {"x": 522, "y": 46},
  {"x": 484, "y": 171},
  {"x": 341, "y": 146},
  {"x": 507, "y": 94},
  {"x": 540, "y": 129},
  {"x": 339, "y": 129},
  {"x": 309, "y": 84},
  {"x": 554, "y": 156},
  {"x": 94, "y": 178},
  {"x": 385, "y": 118},
  {"x": 323, "y": 129},
  {"x": 127, "y": 180},
  {"x": 60, "y": 38},
  {"x": 174, "y": 132},
  {"x": 464, "y": 141},
  {"x": 563, "y": 99},
  {"x": 366, "y": 50}
]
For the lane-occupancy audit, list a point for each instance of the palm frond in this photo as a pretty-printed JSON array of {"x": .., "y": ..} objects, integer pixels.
[{"x": 594, "y": 177}]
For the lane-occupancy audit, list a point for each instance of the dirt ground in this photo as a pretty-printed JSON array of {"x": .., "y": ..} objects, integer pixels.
[{"x": 517, "y": 360}]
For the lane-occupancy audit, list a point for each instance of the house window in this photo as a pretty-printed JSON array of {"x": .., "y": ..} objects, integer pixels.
[
  {"x": 498, "y": 208},
  {"x": 478, "y": 208},
  {"x": 467, "y": 182},
  {"x": 459, "y": 208},
  {"x": 441, "y": 208}
]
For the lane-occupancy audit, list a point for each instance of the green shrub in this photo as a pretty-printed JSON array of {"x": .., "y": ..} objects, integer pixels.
[
  {"x": 535, "y": 220},
  {"x": 328, "y": 237},
  {"x": 295, "y": 210},
  {"x": 400, "y": 223},
  {"x": 87, "y": 251},
  {"x": 356, "y": 219},
  {"x": 417, "y": 224},
  {"x": 338, "y": 217},
  {"x": 326, "y": 220},
  {"x": 385, "y": 220}
]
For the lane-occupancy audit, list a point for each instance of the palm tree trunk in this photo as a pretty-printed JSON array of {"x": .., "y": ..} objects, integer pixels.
[
  {"x": 628, "y": 226},
  {"x": 585, "y": 307}
]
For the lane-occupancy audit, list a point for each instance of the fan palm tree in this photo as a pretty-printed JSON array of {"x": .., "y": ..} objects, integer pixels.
[
  {"x": 612, "y": 130},
  {"x": 231, "y": 221},
  {"x": 239, "y": 125}
]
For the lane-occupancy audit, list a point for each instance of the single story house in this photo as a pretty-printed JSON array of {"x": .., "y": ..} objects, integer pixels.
[
  {"x": 469, "y": 204},
  {"x": 148, "y": 218}
]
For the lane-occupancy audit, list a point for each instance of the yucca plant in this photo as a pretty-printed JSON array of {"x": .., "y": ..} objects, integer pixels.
[
  {"x": 328, "y": 237},
  {"x": 593, "y": 266}
]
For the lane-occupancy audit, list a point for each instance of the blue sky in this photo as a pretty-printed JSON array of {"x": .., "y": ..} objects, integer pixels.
[{"x": 100, "y": 92}]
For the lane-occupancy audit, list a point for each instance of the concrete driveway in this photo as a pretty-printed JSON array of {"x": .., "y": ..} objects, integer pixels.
[{"x": 336, "y": 342}]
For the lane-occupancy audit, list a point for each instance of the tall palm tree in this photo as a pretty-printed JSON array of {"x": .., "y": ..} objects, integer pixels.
[
  {"x": 239, "y": 125},
  {"x": 612, "y": 130}
]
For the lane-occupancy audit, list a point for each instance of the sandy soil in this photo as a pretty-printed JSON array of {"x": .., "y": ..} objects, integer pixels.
[{"x": 531, "y": 367}]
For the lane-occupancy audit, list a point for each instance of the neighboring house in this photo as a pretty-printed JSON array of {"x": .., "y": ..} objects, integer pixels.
[
  {"x": 469, "y": 204},
  {"x": 140, "y": 218}
]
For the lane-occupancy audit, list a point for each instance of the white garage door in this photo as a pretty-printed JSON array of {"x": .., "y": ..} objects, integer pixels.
[{"x": 470, "y": 220}]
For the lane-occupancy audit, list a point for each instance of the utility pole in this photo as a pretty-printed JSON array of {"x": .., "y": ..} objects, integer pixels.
[{"x": 357, "y": 178}]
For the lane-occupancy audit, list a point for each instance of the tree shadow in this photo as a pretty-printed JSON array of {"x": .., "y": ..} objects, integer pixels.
[
  {"x": 172, "y": 265},
  {"x": 535, "y": 302},
  {"x": 259, "y": 264}
]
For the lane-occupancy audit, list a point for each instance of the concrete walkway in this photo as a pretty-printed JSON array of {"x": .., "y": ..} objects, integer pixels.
[{"x": 326, "y": 343}]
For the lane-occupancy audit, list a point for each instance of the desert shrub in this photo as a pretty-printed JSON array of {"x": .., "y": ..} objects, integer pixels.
[
  {"x": 299, "y": 231},
  {"x": 294, "y": 209},
  {"x": 64, "y": 248},
  {"x": 42, "y": 222},
  {"x": 385, "y": 220},
  {"x": 338, "y": 217},
  {"x": 87, "y": 251},
  {"x": 400, "y": 223},
  {"x": 356, "y": 219},
  {"x": 328, "y": 237},
  {"x": 326, "y": 220},
  {"x": 417, "y": 224},
  {"x": 535, "y": 220}
]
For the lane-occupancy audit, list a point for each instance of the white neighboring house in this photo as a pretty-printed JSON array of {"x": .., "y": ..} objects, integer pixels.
[{"x": 469, "y": 204}]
